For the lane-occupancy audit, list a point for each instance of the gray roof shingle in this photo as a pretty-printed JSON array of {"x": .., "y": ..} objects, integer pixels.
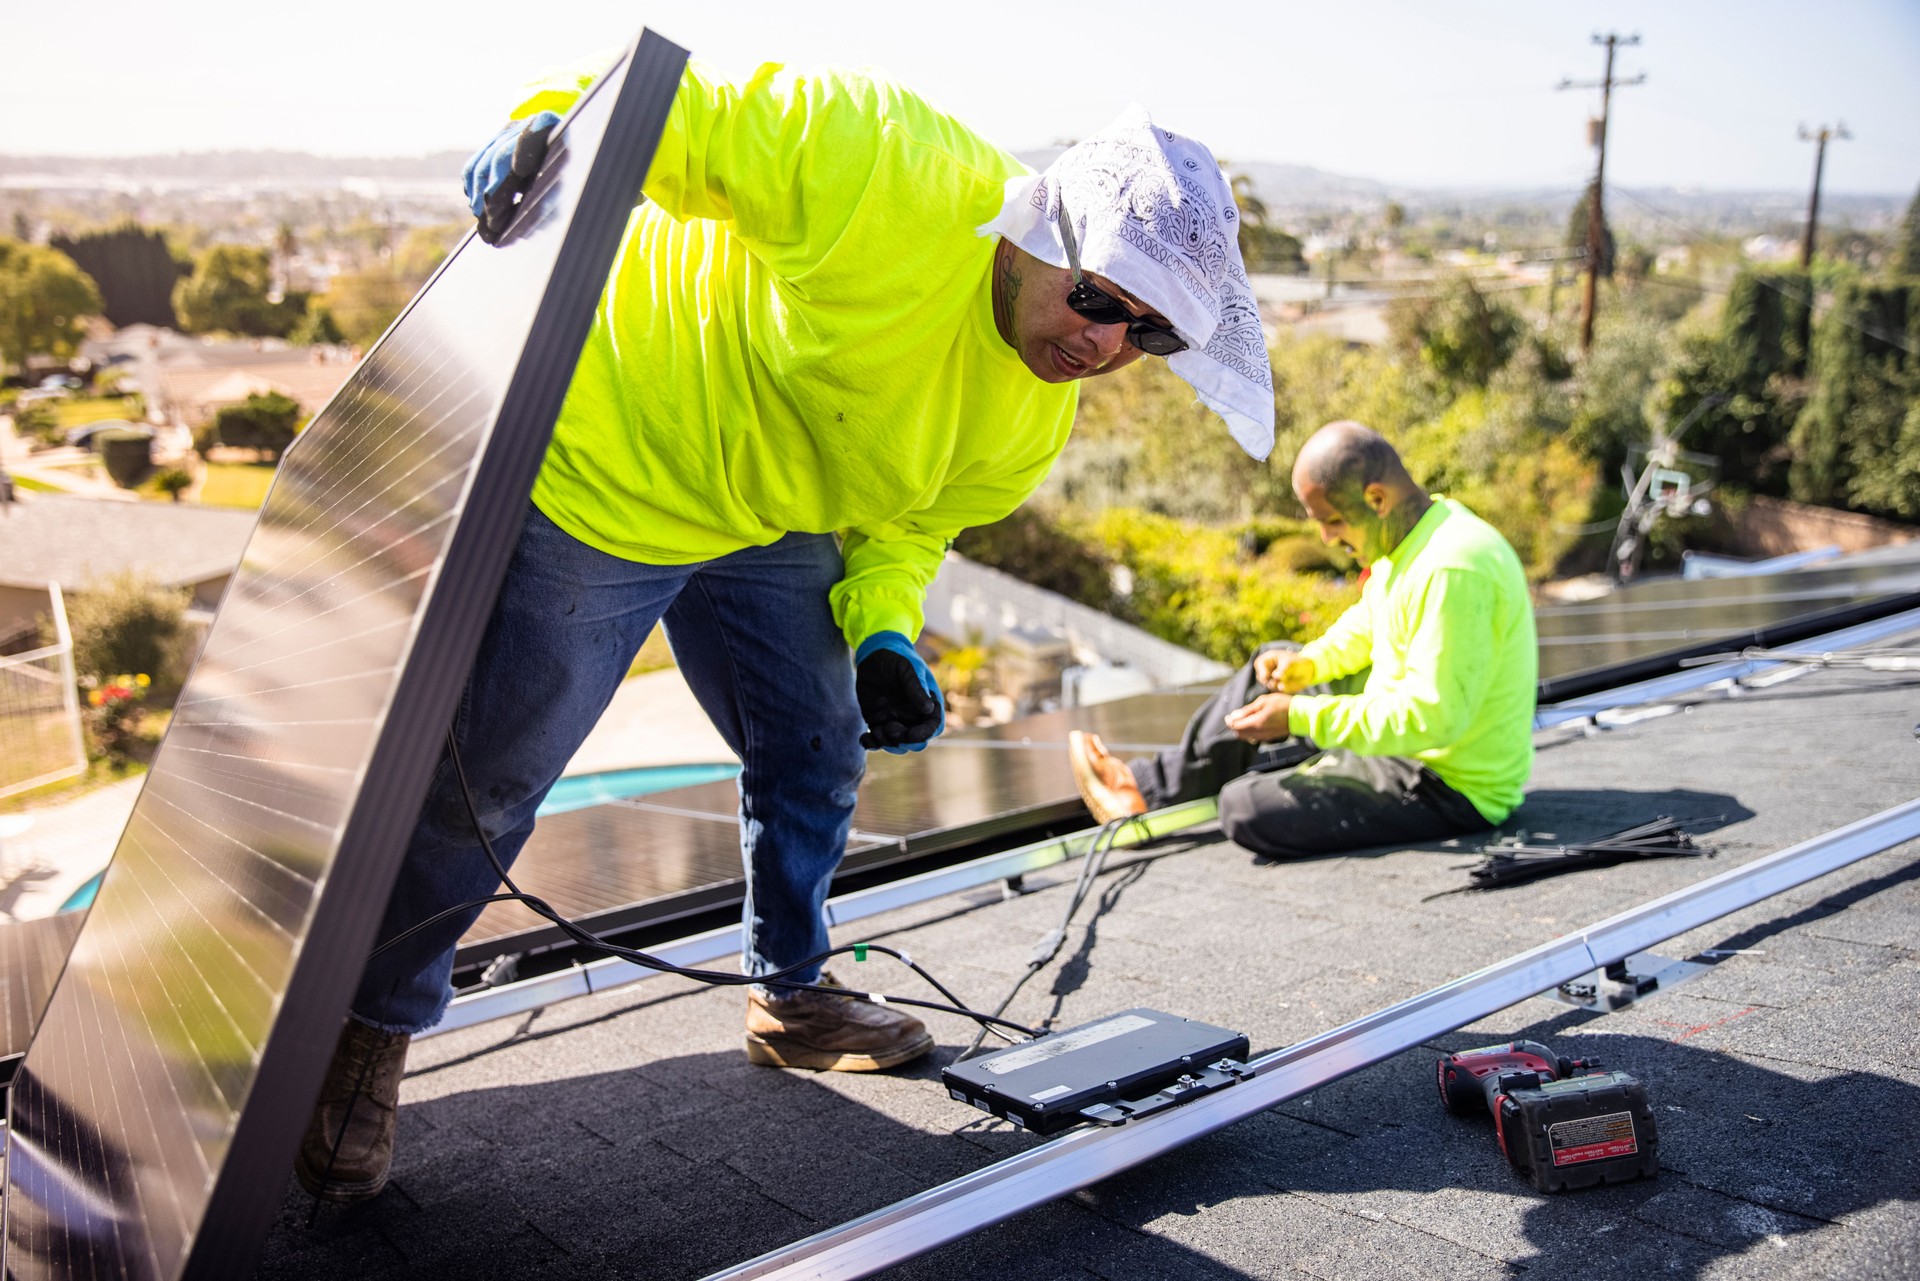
[{"x": 71, "y": 541}]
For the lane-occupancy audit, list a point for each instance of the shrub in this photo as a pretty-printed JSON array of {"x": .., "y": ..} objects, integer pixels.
[
  {"x": 127, "y": 455},
  {"x": 40, "y": 423},
  {"x": 115, "y": 709},
  {"x": 1035, "y": 548},
  {"x": 127, "y": 623},
  {"x": 172, "y": 481},
  {"x": 266, "y": 422}
]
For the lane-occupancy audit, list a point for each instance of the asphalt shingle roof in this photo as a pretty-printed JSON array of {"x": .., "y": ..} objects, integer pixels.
[
  {"x": 71, "y": 541},
  {"x": 624, "y": 1135}
]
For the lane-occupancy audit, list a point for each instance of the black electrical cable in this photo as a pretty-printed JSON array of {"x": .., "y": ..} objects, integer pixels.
[
  {"x": 1053, "y": 940},
  {"x": 717, "y": 978}
]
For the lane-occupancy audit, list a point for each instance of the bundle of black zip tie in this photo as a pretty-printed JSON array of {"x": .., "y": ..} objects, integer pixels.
[{"x": 1511, "y": 862}]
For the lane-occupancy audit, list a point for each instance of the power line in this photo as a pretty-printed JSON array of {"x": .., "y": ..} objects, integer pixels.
[{"x": 1694, "y": 234}]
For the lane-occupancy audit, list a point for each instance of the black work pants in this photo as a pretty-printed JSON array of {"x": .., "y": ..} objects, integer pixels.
[{"x": 1290, "y": 799}]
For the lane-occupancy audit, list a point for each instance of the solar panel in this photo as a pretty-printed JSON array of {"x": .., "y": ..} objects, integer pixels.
[
  {"x": 669, "y": 854},
  {"x": 155, "y": 1117},
  {"x": 1616, "y": 636}
]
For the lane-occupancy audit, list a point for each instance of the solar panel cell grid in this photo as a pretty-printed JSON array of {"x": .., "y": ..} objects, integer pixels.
[{"x": 174, "y": 1024}]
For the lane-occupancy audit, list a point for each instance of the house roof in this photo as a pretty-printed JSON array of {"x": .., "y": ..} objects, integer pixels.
[
  {"x": 624, "y": 1134},
  {"x": 196, "y": 390},
  {"x": 69, "y": 540}
]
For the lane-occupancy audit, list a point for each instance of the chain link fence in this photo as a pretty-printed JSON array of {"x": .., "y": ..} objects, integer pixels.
[{"x": 40, "y": 738}]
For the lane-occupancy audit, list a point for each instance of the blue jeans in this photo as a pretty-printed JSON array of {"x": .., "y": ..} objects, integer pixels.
[{"x": 756, "y": 641}]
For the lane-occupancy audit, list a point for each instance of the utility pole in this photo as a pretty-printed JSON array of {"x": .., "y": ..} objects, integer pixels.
[
  {"x": 1819, "y": 138},
  {"x": 1596, "y": 225}
]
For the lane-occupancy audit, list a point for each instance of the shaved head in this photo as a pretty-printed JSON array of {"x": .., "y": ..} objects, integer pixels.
[
  {"x": 1342, "y": 459},
  {"x": 1354, "y": 486}
]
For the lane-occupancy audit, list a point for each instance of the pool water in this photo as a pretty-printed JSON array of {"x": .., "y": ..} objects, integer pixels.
[
  {"x": 578, "y": 791},
  {"x": 575, "y": 792}
]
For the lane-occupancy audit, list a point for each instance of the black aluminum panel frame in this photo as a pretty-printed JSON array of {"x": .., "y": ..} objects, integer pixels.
[{"x": 249, "y": 1184}]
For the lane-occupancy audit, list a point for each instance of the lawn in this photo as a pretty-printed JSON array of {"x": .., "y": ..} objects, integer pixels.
[
  {"x": 236, "y": 484},
  {"x": 80, "y": 410}
]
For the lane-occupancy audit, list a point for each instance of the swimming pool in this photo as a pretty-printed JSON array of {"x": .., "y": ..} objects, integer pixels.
[
  {"x": 578, "y": 791},
  {"x": 575, "y": 792}
]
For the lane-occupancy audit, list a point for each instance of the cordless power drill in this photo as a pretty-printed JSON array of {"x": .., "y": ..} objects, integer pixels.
[{"x": 1565, "y": 1123}]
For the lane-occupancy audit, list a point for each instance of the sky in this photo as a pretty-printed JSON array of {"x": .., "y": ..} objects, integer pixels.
[{"x": 1441, "y": 93}]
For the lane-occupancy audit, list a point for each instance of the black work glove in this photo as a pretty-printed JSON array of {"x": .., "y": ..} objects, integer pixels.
[{"x": 898, "y": 696}]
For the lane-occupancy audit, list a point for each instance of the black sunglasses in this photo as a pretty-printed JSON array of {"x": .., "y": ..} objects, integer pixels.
[{"x": 1102, "y": 308}]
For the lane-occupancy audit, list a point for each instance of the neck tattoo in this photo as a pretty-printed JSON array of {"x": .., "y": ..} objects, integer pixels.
[{"x": 1006, "y": 288}]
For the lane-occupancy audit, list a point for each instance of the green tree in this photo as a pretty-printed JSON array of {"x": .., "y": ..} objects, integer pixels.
[
  {"x": 134, "y": 268},
  {"x": 1906, "y": 248},
  {"x": 1857, "y": 443},
  {"x": 318, "y": 327},
  {"x": 44, "y": 301},
  {"x": 266, "y": 422},
  {"x": 229, "y": 291},
  {"x": 1577, "y": 220},
  {"x": 1459, "y": 334},
  {"x": 1757, "y": 360},
  {"x": 173, "y": 481},
  {"x": 364, "y": 303}
]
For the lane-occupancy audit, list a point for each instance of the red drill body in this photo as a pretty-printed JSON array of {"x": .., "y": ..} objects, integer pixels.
[{"x": 1562, "y": 1121}]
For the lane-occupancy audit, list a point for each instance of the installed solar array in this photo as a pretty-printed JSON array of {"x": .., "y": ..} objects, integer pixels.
[
  {"x": 1642, "y": 623},
  {"x": 156, "y": 1114},
  {"x": 655, "y": 858}
]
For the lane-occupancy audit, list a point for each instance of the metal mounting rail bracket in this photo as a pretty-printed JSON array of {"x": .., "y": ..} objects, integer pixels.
[
  {"x": 909, "y": 1228},
  {"x": 1689, "y": 679},
  {"x": 1200, "y": 1081},
  {"x": 1622, "y": 983}
]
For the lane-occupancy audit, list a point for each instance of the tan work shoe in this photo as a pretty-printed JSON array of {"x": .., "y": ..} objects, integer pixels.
[
  {"x": 1106, "y": 784},
  {"x": 830, "y": 1033},
  {"x": 362, "y": 1095}
]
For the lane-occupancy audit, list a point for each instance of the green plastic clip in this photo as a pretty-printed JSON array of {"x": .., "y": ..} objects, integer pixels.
[{"x": 859, "y": 952}]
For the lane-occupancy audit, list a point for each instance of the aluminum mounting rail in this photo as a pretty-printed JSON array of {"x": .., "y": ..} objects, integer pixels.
[
  {"x": 1690, "y": 679},
  {"x": 699, "y": 949},
  {"x": 1052, "y": 1170}
]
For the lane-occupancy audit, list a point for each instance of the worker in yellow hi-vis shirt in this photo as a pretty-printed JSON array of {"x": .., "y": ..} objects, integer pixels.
[
  {"x": 1410, "y": 719},
  {"x": 841, "y": 328}
]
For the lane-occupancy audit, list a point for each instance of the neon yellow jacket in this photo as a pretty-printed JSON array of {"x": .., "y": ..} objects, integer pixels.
[
  {"x": 1447, "y": 626},
  {"x": 798, "y": 335}
]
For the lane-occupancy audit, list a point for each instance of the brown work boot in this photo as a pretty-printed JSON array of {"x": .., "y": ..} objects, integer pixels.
[
  {"x": 362, "y": 1095},
  {"x": 830, "y": 1033},
  {"x": 1105, "y": 783}
]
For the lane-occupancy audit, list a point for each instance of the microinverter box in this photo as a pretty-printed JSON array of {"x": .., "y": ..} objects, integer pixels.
[{"x": 1106, "y": 1072}]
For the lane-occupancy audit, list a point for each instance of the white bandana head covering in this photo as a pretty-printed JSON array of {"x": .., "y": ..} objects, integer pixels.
[{"x": 1151, "y": 211}]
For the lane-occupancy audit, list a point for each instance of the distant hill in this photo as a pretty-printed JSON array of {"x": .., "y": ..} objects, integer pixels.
[
  {"x": 1286, "y": 189},
  {"x": 231, "y": 166}
]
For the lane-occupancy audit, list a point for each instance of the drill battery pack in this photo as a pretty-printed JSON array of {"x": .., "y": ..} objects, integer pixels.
[{"x": 1578, "y": 1132}]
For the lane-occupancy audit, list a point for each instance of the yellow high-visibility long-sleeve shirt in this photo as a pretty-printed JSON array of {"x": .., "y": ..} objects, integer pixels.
[
  {"x": 1446, "y": 625},
  {"x": 798, "y": 335}
]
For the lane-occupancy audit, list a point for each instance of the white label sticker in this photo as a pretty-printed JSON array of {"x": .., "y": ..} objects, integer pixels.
[
  {"x": 1055, "y": 1092},
  {"x": 1065, "y": 1043}
]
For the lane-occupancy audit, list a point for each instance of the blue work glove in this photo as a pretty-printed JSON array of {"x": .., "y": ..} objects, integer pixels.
[
  {"x": 500, "y": 172},
  {"x": 898, "y": 695}
]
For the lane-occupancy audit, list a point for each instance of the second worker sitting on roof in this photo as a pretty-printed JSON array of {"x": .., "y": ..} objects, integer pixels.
[{"x": 1410, "y": 719}]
